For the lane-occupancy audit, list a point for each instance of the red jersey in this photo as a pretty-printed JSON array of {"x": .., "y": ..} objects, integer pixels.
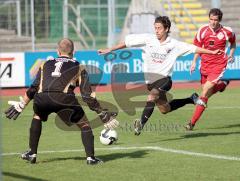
[{"x": 209, "y": 39}]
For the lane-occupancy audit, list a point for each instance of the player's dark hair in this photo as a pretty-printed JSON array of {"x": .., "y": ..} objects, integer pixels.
[
  {"x": 216, "y": 12},
  {"x": 164, "y": 20},
  {"x": 66, "y": 46}
]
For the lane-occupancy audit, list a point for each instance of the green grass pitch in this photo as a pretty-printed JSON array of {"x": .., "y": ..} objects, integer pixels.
[{"x": 164, "y": 151}]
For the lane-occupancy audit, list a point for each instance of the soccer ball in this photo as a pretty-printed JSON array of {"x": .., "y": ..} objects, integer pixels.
[{"x": 108, "y": 137}]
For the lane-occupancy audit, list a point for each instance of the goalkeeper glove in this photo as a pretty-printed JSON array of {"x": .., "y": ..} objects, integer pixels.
[
  {"x": 108, "y": 118},
  {"x": 16, "y": 108}
]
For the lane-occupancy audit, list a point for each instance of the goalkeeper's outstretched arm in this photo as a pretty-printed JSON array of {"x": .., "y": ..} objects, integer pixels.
[
  {"x": 108, "y": 118},
  {"x": 16, "y": 107},
  {"x": 87, "y": 94}
]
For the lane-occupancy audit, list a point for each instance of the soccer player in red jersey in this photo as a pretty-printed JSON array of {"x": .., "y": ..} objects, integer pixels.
[{"x": 212, "y": 36}]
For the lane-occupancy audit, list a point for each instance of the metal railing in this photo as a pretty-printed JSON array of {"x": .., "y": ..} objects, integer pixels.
[
  {"x": 77, "y": 26},
  {"x": 18, "y": 14}
]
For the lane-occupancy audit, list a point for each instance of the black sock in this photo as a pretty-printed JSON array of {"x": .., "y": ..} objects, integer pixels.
[
  {"x": 177, "y": 103},
  {"x": 35, "y": 133},
  {"x": 147, "y": 112},
  {"x": 88, "y": 141}
]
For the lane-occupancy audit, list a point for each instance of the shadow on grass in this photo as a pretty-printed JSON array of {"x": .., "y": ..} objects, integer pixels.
[
  {"x": 198, "y": 135},
  {"x": 105, "y": 157},
  {"x": 227, "y": 126},
  {"x": 195, "y": 135},
  {"x": 114, "y": 156},
  {"x": 20, "y": 176},
  {"x": 61, "y": 159}
]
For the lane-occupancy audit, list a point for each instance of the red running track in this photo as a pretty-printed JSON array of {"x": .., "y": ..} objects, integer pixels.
[{"x": 121, "y": 87}]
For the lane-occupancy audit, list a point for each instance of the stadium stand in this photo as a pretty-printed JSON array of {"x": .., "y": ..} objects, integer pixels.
[
  {"x": 231, "y": 14},
  {"x": 188, "y": 15},
  {"x": 10, "y": 41},
  {"x": 140, "y": 17},
  {"x": 49, "y": 23}
]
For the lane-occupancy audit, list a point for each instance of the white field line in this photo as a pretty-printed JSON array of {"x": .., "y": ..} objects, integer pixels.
[{"x": 155, "y": 148}]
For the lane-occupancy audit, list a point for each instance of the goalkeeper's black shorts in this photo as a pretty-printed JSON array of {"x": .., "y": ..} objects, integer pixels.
[{"x": 65, "y": 105}]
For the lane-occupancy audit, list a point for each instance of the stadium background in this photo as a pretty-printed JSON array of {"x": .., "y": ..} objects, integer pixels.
[
  {"x": 29, "y": 32},
  {"x": 28, "y": 39}
]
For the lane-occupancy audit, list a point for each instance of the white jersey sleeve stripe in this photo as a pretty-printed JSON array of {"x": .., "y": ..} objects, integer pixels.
[{"x": 199, "y": 36}]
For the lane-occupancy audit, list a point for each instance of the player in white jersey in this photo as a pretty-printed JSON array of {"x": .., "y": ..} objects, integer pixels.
[{"x": 159, "y": 55}]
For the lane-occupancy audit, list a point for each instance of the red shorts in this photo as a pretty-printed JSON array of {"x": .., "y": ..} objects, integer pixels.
[
  {"x": 211, "y": 77},
  {"x": 212, "y": 72}
]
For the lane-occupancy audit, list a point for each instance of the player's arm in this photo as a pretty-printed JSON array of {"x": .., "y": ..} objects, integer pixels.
[
  {"x": 116, "y": 47},
  {"x": 200, "y": 50},
  {"x": 16, "y": 107},
  {"x": 199, "y": 43},
  {"x": 231, "y": 52},
  {"x": 86, "y": 92},
  {"x": 133, "y": 40},
  {"x": 33, "y": 89},
  {"x": 194, "y": 63},
  {"x": 107, "y": 117}
]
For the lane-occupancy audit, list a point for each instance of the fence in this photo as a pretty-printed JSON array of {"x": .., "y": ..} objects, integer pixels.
[{"x": 48, "y": 18}]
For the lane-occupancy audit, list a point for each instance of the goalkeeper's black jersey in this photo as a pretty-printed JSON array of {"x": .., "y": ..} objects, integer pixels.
[{"x": 58, "y": 75}]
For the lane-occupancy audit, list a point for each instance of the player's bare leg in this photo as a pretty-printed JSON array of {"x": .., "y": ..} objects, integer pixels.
[
  {"x": 171, "y": 105},
  {"x": 162, "y": 103},
  {"x": 221, "y": 86}
]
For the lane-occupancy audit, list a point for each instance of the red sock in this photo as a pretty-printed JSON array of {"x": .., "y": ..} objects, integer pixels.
[
  {"x": 198, "y": 111},
  {"x": 219, "y": 86}
]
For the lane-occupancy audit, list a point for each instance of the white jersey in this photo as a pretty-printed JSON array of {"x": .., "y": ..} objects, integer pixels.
[{"x": 159, "y": 58}]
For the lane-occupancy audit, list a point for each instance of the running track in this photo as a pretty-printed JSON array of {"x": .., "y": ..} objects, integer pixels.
[{"x": 108, "y": 88}]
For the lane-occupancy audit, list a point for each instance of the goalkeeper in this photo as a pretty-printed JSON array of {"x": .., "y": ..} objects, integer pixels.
[{"x": 53, "y": 91}]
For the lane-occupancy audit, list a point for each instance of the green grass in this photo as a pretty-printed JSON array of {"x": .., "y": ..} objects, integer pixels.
[{"x": 217, "y": 133}]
